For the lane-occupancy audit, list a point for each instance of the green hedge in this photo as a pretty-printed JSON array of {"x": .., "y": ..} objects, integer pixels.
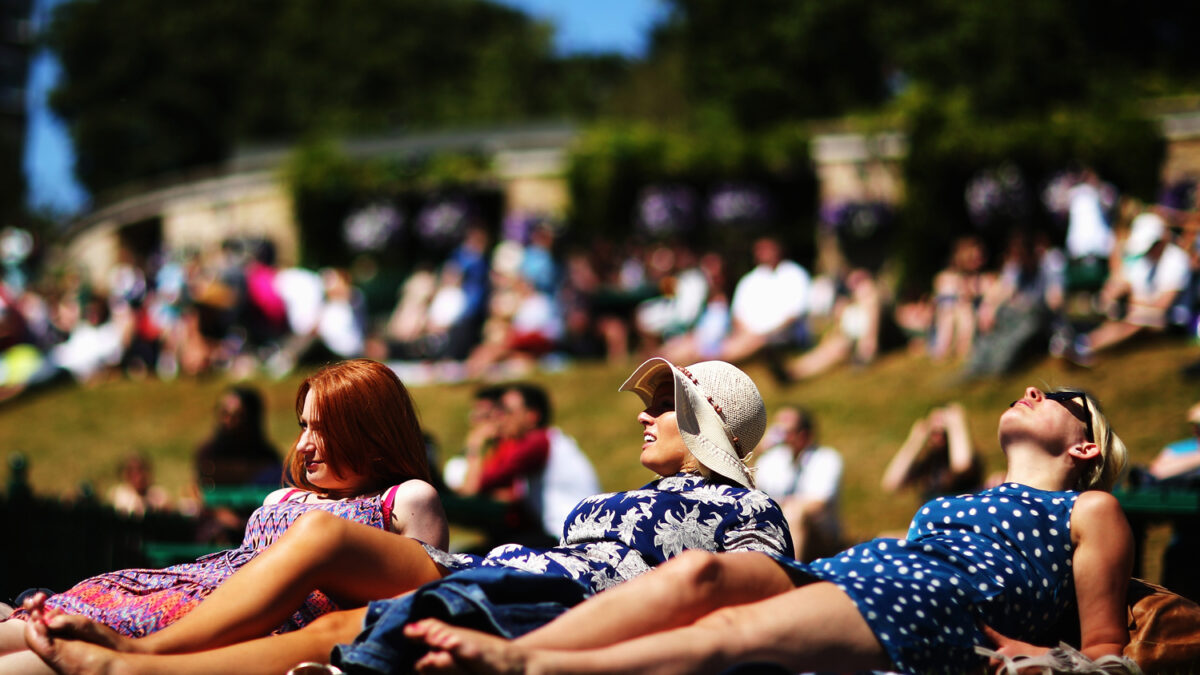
[
  {"x": 327, "y": 184},
  {"x": 611, "y": 163}
]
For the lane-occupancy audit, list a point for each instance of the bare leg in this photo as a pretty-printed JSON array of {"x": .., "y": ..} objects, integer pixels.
[
  {"x": 682, "y": 349},
  {"x": 741, "y": 345},
  {"x": 814, "y": 627},
  {"x": 12, "y": 636},
  {"x": 268, "y": 655},
  {"x": 24, "y": 662},
  {"x": 351, "y": 562},
  {"x": 1111, "y": 333},
  {"x": 833, "y": 349},
  {"x": 964, "y": 330},
  {"x": 681, "y": 590}
]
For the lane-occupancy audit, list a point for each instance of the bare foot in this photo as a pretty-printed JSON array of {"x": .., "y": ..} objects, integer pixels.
[
  {"x": 66, "y": 656},
  {"x": 462, "y": 650},
  {"x": 75, "y": 627}
]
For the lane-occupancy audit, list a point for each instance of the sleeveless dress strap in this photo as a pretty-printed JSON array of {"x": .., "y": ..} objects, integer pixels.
[{"x": 388, "y": 505}]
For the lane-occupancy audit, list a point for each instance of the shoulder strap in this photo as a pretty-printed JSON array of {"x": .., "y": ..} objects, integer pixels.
[
  {"x": 287, "y": 496},
  {"x": 388, "y": 505}
]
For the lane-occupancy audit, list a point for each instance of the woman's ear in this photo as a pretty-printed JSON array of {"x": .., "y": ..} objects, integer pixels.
[{"x": 1084, "y": 451}]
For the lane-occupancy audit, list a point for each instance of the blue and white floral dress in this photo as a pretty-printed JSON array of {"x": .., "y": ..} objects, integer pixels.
[
  {"x": 607, "y": 539},
  {"x": 1000, "y": 557},
  {"x": 613, "y": 537}
]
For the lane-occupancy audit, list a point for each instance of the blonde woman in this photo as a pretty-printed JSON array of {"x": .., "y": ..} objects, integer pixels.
[{"x": 993, "y": 569}]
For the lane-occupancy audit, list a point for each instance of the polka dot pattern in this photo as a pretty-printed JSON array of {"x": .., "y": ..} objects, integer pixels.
[{"x": 1000, "y": 557}]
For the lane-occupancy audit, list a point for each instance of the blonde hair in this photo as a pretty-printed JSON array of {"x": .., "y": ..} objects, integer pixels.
[{"x": 1103, "y": 472}]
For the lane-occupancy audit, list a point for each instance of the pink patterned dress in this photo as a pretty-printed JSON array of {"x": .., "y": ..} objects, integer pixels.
[{"x": 138, "y": 602}]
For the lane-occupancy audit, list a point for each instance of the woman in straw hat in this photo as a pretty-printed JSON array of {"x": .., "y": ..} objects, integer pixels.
[
  {"x": 697, "y": 426},
  {"x": 1008, "y": 561}
]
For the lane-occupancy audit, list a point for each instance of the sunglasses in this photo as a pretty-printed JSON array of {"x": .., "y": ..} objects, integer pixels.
[{"x": 1063, "y": 397}]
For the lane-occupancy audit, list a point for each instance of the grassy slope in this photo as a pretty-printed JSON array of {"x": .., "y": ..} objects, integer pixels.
[{"x": 79, "y": 434}]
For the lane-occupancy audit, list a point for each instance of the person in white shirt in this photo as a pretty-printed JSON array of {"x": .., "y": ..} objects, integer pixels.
[
  {"x": 1155, "y": 273},
  {"x": 769, "y": 304},
  {"x": 805, "y": 478},
  {"x": 1088, "y": 232}
]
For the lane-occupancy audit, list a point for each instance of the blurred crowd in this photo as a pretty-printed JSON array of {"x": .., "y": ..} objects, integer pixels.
[{"x": 495, "y": 307}]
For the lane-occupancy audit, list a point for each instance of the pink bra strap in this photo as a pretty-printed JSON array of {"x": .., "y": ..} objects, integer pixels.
[
  {"x": 287, "y": 496},
  {"x": 388, "y": 505}
]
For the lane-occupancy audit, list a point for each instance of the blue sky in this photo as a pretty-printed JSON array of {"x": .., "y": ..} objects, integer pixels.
[{"x": 581, "y": 26}]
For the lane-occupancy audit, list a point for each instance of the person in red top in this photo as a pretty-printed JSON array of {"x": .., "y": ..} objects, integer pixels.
[{"x": 510, "y": 448}]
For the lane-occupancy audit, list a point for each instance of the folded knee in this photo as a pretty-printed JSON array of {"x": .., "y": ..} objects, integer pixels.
[
  {"x": 335, "y": 628},
  {"x": 315, "y": 526},
  {"x": 697, "y": 572}
]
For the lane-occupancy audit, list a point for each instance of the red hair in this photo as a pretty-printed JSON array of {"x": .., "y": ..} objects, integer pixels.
[{"x": 368, "y": 422}]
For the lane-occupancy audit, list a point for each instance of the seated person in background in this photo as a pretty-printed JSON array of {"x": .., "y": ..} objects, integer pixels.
[
  {"x": 959, "y": 290},
  {"x": 804, "y": 478},
  {"x": 854, "y": 334},
  {"x": 482, "y": 419},
  {"x": 529, "y": 328},
  {"x": 504, "y": 454},
  {"x": 1181, "y": 459},
  {"x": 937, "y": 458},
  {"x": 1156, "y": 272},
  {"x": 685, "y": 290},
  {"x": 712, "y": 325},
  {"x": 568, "y": 479},
  {"x": 237, "y": 454},
  {"x": 769, "y": 304},
  {"x": 1019, "y": 309},
  {"x": 1090, "y": 239},
  {"x": 136, "y": 494}
]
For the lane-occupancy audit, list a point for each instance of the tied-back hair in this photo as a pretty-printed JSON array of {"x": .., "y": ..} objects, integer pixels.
[
  {"x": 368, "y": 423},
  {"x": 1102, "y": 474}
]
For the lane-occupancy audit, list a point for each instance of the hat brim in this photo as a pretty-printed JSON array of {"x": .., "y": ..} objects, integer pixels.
[{"x": 703, "y": 431}]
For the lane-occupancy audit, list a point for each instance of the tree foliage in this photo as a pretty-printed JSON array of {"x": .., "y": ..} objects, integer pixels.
[
  {"x": 779, "y": 60},
  {"x": 151, "y": 87},
  {"x": 771, "y": 61}
]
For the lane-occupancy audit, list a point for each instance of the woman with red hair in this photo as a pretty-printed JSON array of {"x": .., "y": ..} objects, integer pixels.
[{"x": 360, "y": 456}]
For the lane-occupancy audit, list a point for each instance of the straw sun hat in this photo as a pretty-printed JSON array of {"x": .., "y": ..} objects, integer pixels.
[{"x": 720, "y": 413}]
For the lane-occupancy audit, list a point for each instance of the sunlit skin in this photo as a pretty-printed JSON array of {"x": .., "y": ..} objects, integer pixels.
[
  {"x": 711, "y": 610},
  {"x": 1034, "y": 417},
  {"x": 714, "y": 610},
  {"x": 663, "y": 449},
  {"x": 311, "y": 444}
]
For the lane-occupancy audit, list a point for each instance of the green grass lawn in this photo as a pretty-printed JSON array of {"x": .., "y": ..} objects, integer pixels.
[{"x": 73, "y": 435}]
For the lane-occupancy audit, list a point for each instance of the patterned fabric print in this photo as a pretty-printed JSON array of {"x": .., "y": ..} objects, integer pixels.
[
  {"x": 1000, "y": 557},
  {"x": 138, "y": 602},
  {"x": 610, "y": 538}
]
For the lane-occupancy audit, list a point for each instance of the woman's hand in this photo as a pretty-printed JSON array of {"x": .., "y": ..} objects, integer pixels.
[{"x": 1011, "y": 648}]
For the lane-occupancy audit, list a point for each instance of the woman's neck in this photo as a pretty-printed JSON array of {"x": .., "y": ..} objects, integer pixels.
[{"x": 1038, "y": 469}]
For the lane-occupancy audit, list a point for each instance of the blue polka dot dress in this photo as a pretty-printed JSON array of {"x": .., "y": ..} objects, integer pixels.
[{"x": 1000, "y": 557}]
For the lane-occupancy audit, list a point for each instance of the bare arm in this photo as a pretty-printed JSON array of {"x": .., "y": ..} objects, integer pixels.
[
  {"x": 1102, "y": 563},
  {"x": 897, "y": 473},
  {"x": 962, "y": 455},
  {"x": 1169, "y": 464},
  {"x": 417, "y": 513},
  {"x": 479, "y": 439}
]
